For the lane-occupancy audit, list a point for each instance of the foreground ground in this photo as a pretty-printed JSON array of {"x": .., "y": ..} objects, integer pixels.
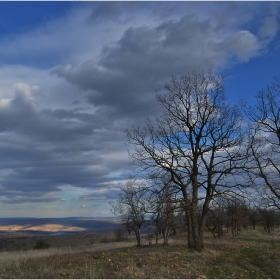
[{"x": 252, "y": 254}]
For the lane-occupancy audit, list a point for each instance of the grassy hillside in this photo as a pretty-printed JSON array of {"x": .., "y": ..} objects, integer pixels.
[
  {"x": 252, "y": 254},
  {"x": 23, "y": 243}
]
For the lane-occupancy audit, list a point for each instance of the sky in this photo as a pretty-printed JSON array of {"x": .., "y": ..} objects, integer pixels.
[{"x": 75, "y": 75}]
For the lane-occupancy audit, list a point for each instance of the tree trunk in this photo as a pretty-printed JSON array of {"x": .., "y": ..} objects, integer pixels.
[
  {"x": 220, "y": 230},
  {"x": 212, "y": 230},
  {"x": 198, "y": 245},
  {"x": 157, "y": 237},
  {"x": 157, "y": 230},
  {"x": 165, "y": 235},
  {"x": 138, "y": 237},
  {"x": 129, "y": 235},
  {"x": 204, "y": 217},
  {"x": 190, "y": 234},
  {"x": 234, "y": 229},
  {"x": 268, "y": 227},
  {"x": 189, "y": 219}
]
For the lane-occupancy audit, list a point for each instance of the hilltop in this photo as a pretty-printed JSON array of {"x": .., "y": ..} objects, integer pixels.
[{"x": 251, "y": 254}]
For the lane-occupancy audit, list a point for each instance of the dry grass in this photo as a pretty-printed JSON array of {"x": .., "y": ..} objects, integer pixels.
[{"x": 253, "y": 254}]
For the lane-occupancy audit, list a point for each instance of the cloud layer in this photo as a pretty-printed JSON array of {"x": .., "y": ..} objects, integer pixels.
[{"x": 71, "y": 86}]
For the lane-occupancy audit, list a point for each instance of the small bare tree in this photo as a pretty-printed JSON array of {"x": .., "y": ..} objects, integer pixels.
[
  {"x": 164, "y": 209},
  {"x": 268, "y": 218},
  {"x": 237, "y": 213},
  {"x": 131, "y": 206},
  {"x": 119, "y": 233},
  {"x": 217, "y": 217}
]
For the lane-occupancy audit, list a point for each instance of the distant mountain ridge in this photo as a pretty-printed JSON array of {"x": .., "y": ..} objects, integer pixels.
[{"x": 52, "y": 226}]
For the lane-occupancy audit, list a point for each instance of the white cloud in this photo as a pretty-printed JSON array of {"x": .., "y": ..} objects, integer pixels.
[
  {"x": 23, "y": 93},
  {"x": 243, "y": 44},
  {"x": 269, "y": 28}
]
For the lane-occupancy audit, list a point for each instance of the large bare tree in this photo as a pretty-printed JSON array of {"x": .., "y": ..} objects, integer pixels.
[
  {"x": 265, "y": 144},
  {"x": 196, "y": 142}
]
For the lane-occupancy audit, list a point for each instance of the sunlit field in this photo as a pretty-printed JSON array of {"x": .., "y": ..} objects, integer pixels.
[{"x": 252, "y": 254}]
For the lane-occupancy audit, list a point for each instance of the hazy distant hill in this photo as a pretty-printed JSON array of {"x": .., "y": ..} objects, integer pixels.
[{"x": 54, "y": 226}]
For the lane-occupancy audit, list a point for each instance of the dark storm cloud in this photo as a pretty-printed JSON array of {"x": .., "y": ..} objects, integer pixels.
[
  {"x": 75, "y": 102},
  {"x": 44, "y": 149},
  {"x": 14, "y": 199},
  {"x": 129, "y": 72},
  {"x": 91, "y": 197},
  {"x": 108, "y": 11},
  {"x": 101, "y": 195},
  {"x": 118, "y": 93}
]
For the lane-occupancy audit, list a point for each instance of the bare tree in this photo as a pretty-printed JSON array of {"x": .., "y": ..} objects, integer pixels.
[
  {"x": 265, "y": 144},
  {"x": 237, "y": 213},
  {"x": 217, "y": 217},
  {"x": 196, "y": 142},
  {"x": 164, "y": 209},
  {"x": 268, "y": 218},
  {"x": 132, "y": 206},
  {"x": 253, "y": 217},
  {"x": 119, "y": 233}
]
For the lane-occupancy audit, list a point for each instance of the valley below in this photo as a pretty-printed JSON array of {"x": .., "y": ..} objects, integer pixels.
[{"x": 10, "y": 227}]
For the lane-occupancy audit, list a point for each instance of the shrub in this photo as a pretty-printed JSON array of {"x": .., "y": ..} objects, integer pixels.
[
  {"x": 42, "y": 244},
  {"x": 119, "y": 234},
  {"x": 104, "y": 239}
]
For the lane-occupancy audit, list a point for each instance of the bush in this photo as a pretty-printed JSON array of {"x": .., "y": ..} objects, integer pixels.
[
  {"x": 119, "y": 234},
  {"x": 104, "y": 239},
  {"x": 42, "y": 244}
]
